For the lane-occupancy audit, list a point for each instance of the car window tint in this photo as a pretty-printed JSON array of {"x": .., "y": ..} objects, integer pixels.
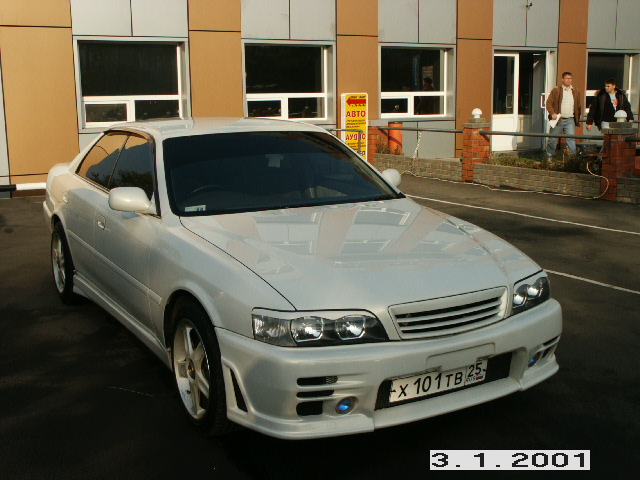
[
  {"x": 99, "y": 162},
  {"x": 135, "y": 166},
  {"x": 223, "y": 173}
]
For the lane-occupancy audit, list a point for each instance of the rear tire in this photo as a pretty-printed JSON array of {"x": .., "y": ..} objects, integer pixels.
[
  {"x": 62, "y": 265},
  {"x": 197, "y": 368}
]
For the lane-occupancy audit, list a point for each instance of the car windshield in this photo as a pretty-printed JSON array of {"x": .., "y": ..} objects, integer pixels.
[{"x": 241, "y": 172}]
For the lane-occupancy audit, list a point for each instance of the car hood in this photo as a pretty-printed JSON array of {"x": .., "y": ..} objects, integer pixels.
[{"x": 357, "y": 256}]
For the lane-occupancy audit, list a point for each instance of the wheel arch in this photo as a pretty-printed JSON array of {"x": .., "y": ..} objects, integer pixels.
[
  {"x": 55, "y": 219},
  {"x": 167, "y": 322}
]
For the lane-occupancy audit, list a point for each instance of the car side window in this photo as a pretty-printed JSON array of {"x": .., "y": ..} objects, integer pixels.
[
  {"x": 98, "y": 165},
  {"x": 135, "y": 166}
]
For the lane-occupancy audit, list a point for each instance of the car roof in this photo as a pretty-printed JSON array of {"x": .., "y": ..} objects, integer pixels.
[{"x": 174, "y": 127}]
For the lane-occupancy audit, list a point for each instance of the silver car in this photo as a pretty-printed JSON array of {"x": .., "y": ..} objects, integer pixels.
[{"x": 290, "y": 287}]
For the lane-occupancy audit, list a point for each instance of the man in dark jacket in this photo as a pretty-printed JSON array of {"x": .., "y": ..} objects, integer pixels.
[{"x": 605, "y": 105}]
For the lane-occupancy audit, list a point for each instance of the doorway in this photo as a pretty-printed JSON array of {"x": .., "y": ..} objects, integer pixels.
[{"x": 519, "y": 80}]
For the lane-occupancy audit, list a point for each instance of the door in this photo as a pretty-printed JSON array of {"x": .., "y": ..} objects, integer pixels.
[
  {"x": 538, "y": 109},
  {"x": 92, "y": 178},
  {"x": 123, "y": 239},
  {"x": 506, "y": 69}
]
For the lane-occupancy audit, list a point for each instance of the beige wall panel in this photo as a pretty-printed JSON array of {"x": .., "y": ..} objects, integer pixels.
[
  {"x": 574, "y": 21},
  {"x": 216, "y": 74},
  {"x": 475, "y": 19},
  {"x": 358, "y": 70},
  {"x": 572, "y": 57},
  {"x": 475, "y": 75},
  {"x": 357, "y": 18},
  {"x": 215, "y": 15},
  {"x": 40, "y": 99},
  {"x": 50, "y": 13}
]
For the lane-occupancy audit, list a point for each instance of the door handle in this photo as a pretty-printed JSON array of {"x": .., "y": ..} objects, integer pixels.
[{"x": 101, "y": 222}]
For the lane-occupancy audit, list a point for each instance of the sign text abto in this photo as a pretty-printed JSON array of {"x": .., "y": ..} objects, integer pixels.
[{"x": 355, "y": 117}]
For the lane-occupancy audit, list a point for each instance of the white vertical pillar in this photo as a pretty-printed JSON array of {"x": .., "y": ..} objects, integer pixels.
[{"x": 4, "y": 152}]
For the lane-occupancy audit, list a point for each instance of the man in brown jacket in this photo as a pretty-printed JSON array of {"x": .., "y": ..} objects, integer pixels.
[{"x": 564, "y": 102}]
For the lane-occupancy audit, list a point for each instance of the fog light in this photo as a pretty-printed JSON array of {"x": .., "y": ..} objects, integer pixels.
[
  {"x": 533, "y": 360},
  {"x": 346, "y": 405}
]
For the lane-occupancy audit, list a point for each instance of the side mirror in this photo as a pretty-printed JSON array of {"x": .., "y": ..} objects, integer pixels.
[
  {"x": 392, "y": 176},
  {"x": 129, "y": 199}
]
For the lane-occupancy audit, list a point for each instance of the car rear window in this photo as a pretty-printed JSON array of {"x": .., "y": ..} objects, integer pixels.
[{"x": 236, "y": 172}]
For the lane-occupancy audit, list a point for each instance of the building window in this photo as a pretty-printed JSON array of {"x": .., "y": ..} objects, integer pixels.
[
  {"x": 286, "y": 81},
  {"x": 413, "y": 82},
  {"x": 601, "y": 66},
  {"x": 123, "y": 81}
]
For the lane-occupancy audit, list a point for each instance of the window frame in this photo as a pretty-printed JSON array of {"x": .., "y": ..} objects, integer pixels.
[
  {"x": 631, "y": 76},
  {"x": 183, "y": 95},
  {"x": 328, "y": 82},
  {"x": 127, "y": 133},
  {"x": 447, "y": 51}
]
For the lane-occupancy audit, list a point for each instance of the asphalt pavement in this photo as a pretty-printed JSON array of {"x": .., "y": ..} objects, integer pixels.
[{"x": 82, "y": 398}]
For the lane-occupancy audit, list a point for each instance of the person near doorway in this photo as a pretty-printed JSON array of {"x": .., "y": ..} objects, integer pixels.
[
  {"x": 564, "y": 104},
  {"x": 606, "y": 103},
  {"x": 427, "y": 105}
]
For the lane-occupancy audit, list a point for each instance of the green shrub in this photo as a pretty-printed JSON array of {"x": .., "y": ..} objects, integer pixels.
[{"x": 567, "y": 162}]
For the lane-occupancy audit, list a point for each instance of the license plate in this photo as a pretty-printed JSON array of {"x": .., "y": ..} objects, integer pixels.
[{"x": 416, "y": 386}]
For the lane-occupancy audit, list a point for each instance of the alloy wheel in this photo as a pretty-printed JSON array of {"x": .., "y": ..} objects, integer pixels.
[{"x": 191, "y": 368}]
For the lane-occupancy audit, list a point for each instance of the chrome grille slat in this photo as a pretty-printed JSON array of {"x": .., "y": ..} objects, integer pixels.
[
  {"x": 462, "y": 313},
  {"x": 449, "y": 315},
  {"x": 452, "y": 323}
]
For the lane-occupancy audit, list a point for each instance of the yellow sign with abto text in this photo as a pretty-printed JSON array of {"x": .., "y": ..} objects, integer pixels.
[{"x": 355, "y": 120}]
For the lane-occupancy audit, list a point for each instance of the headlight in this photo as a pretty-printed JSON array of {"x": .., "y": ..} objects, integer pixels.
[
  {"x": 530, "y": 292},
  {"x": 296, "y": 329}
]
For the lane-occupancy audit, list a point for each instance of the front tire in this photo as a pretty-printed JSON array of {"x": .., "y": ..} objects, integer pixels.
[
  {"x": 62, "y": 265},
  {"x": 197, "y": 367}
]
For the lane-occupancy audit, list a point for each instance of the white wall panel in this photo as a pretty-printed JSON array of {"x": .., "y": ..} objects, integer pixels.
[
  {"x": 602, "y": 23},
  {"x": 101, "y": 17},
  {"x": 398, "y": 21},
  {"x": 313, "y": 20},
  {"x": 432, "y": 144},
  {"x": 85, "y": 139},
  {"x": 542, "y": 23},
  {"x": 437, "y": 21},
  {"x": 268, "y": 19},
  {"x": 628, "y": 28},
  {"x": 4, "y": 154},
  {"x": 160, "y": 18},
  {"x": 510, "y": 23}
]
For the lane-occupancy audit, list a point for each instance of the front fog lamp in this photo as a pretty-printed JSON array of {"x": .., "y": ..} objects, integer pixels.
[
  {"x": 533, "y": 360},
  {"x": 529, "y": 293},
  {"x": 346, "y": 405}
]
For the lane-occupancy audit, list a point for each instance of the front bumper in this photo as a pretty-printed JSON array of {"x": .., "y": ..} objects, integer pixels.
[{"x": 292, "y": 392}]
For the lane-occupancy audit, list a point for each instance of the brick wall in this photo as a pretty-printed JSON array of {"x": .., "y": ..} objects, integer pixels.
[
  {"x": 629, "y": 190},
  {"x": 578, "y": 184},
  {"x": 449, "y": 169}
]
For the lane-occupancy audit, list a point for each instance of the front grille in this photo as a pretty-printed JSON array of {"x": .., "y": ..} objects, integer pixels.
[
  {"x": 315, "y": 394},
  {"x": 498, "y": 367},
  {"x": 309, "y": 408},
  {"x": 307, "y": 381},
  {"x": 449, "y": 315}
]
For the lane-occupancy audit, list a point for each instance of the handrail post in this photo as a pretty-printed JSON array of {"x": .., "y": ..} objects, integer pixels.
[
  {"x": 395, "y": 137},
  {"x": 476, "y": 146},
  {"x": 620, "y": 156}
]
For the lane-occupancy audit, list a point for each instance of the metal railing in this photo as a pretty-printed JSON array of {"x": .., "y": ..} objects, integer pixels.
[
  {"x": 360, "y": 132},
  {"x": 513, "y": 134}
]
